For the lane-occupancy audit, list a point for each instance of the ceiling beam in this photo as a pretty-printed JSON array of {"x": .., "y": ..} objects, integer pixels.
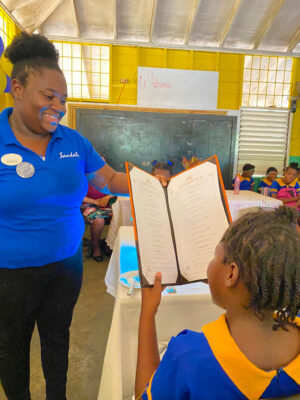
[
  {"x": 230, "y": 21},
  {"x": 173, "y": 46},
  {"x": 152, "y": 22},
  {"x": 266, "y": 25},
  {"x": 21, "y": 3},
  {"x": 44, "y": 16},
  {"x": 77, "y": 27},
  {"x": 191, "y": 23},
  {"x": 8, "y": 12},
  {"x": 294, "y": 40}
]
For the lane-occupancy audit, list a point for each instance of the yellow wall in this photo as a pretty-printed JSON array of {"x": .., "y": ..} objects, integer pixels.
[
  {"x": 295, "y": 137},
  {"x": 11, "y": 30},
  {"x": 126, "y": 59}
]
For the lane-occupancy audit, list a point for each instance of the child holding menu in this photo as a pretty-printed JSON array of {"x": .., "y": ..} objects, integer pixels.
[
  {"x": 251, "y": 351},
  {"x": 162, "y": 168}
]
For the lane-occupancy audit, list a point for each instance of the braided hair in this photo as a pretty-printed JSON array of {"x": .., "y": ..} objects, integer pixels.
[
  {"x": 266, "y": 247},
  {"x": 31, "y": 52}
]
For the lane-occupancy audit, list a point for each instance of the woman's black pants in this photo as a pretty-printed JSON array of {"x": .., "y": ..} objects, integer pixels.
[{"x": 45, "y": 295}]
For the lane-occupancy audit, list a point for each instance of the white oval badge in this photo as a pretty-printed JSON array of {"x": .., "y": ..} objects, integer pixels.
[
  {"x": 25, "y": 170},
  {"x": 11, "y": 159}
]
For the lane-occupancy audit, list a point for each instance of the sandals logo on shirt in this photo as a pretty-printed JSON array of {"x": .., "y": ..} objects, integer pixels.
[{"x": 68, "y": 155}]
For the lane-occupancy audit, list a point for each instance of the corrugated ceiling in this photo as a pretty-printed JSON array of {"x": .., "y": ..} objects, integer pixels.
[{"x": 219, "y": 25}]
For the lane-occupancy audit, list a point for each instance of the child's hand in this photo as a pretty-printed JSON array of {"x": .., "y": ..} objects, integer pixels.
[{"x": 151, "y": 296}]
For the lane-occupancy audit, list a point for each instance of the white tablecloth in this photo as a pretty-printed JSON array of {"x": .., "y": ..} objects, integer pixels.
[
  {"x": 121, "y": 217},
  {"x": 191, "y": 307},
  {"x": 245, "y": 201}
]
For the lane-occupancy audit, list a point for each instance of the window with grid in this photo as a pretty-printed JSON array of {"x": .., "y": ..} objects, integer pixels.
[
  {"x": 267, "y": 81},
  {"x": 87, "y": 70},
  {"x": 8, "y": 28}
]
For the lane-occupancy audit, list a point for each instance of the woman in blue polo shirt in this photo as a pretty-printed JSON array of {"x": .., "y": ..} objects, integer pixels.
[
  {"x": 43, "y": 169},
  {"x": 251, "y": 351}
]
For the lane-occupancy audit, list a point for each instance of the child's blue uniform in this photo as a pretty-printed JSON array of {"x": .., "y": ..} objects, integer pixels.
[
  {"x": 278, "y": 185},
  {"x": 210, "y": 365},
  {"x": 265, "y": 183},
  {"x": 245, "y": 183}
]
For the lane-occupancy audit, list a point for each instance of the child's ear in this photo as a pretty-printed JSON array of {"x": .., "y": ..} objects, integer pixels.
[{"x": 232, "y": 275}]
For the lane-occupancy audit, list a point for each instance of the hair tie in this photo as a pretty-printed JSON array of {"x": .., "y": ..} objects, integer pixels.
[
  {"x": 154, "y": 162},
  {"x": 170, "y": 163}
]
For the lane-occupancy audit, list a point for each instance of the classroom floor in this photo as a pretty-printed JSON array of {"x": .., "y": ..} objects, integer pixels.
[{"x": 89, "y": 333}]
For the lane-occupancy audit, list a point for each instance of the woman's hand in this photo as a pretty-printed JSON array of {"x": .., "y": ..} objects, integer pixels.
[
  {"x": 151, "y": 296},
  {"x": 102, "y": 202}
]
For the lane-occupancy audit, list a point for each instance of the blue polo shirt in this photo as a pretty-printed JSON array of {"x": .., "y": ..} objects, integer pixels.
[{"x": 40, "y": 218}]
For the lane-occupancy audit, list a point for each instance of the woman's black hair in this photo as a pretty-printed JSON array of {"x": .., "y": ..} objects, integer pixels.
[
  {"x": 31, "y": 52},
  {"x": 168, "y": 166},
  {"x": 271, "y": 169},
  {"x": 266, "y": 247}
]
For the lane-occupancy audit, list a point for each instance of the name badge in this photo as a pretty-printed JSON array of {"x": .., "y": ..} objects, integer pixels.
[
  {"x": 11, "y": 159},
  {"x": 25, "y": 170}
]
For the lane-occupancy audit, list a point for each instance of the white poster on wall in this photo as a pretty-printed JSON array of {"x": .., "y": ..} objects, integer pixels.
[{"x": 177, "y": 88}]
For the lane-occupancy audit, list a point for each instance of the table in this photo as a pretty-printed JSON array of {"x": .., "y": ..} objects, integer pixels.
[
  {"x": 122, "y": 216},
  {"x": 246, "y": 201},
  {"x": 238, "y": 204},
  {"x": 118, "y": 374}
]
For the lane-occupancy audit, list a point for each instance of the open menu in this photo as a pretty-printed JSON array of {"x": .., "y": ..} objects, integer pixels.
[{"x": 178, "y": 227}]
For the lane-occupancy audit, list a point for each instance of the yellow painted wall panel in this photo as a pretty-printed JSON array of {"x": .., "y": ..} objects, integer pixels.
[
  {"x": 230, "y": 76},
  {"x": 179, "y": 59},
  {"x": 126, "y": 59},
  {"x": 229, "y": 88},
  {"x": 232, "y": 62},
  {"x": 152, "y": 57},
  {"x": 124, "y": 66},
  {"x": 205, "y": 61},
  {"x": 228, "y": 101},
  {"x": 124, "y": 94},
  {"x": 10, "y": 29},
  {"x": 295, "y": 135}
]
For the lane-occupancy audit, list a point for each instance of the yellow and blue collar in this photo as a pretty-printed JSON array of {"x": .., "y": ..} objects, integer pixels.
[
  {"x": 237, "y": 366},
  {"x": 282, "y": 184},
  {"x": 269, "y": 183}
]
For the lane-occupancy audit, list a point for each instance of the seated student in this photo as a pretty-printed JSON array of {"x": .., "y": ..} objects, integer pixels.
[
  {"x": 251, "y": 351},
  {"x": 295, "y": 165},
  {"x": 265, "y": 184},
  {"x": 287, "y": 188},
  {"x": 96, "y": 207},
  {"x": 162, "y": 169},
  {"x": 246, "y": 180}
]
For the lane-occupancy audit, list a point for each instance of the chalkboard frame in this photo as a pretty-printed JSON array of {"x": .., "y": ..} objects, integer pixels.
[
  {"x": 72, "y": 109},
  {"x": 75, "y": 110}
]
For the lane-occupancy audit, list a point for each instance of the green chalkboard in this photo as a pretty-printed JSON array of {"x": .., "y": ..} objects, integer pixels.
[{"x": 140, "y": 137}]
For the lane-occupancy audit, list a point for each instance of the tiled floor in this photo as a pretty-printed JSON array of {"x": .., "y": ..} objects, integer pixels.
[{"x": 89, "y": 332}]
